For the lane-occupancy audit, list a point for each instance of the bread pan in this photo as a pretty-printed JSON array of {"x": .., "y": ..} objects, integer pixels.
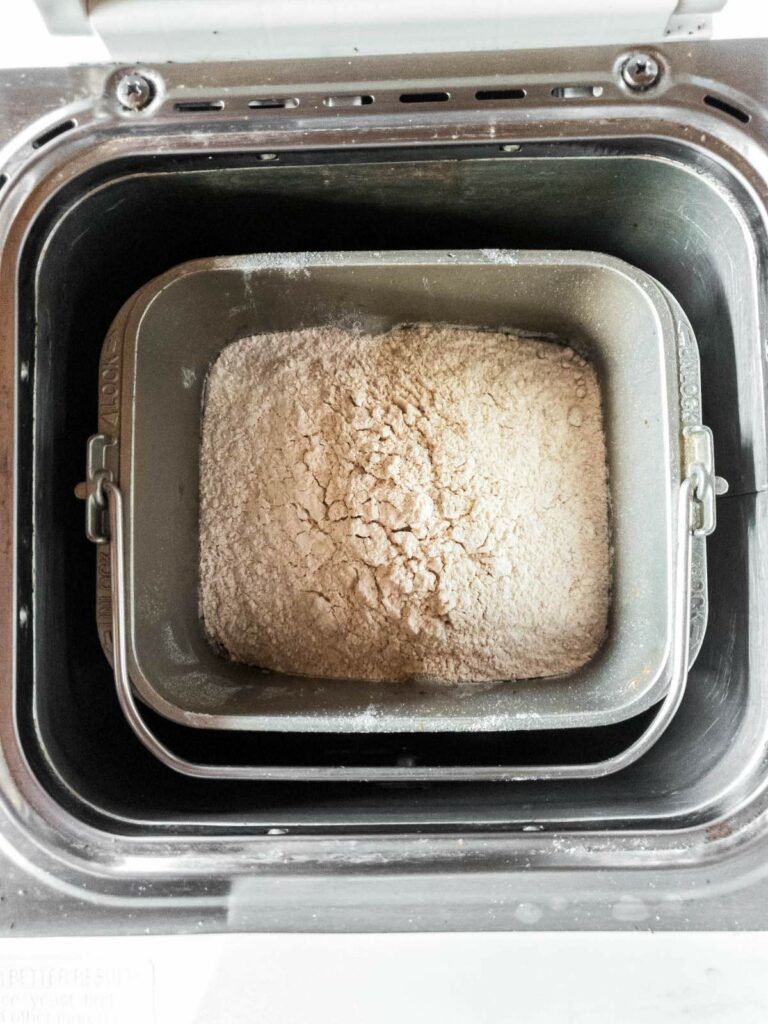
[{"x": 152, "y": 375}]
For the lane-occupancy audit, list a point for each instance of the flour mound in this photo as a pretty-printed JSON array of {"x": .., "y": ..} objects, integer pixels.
[{"x": 430, "y": 503}]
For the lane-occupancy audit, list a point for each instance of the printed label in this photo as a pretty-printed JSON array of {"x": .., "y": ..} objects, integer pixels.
[{"x": 36, "y": 990}]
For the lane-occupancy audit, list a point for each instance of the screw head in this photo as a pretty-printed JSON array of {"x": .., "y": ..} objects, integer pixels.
[
  {"x": 640, "y": 71},
  {"x": 134, "y": 91}
]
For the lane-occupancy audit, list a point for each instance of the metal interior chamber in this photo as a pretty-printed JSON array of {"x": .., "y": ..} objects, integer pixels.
[{"x": 485, "y": 200}]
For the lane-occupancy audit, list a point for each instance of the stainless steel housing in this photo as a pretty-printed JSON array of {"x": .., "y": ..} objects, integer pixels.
[
  {"x": 159, "y": 351},
  {"x": 95, "y": 202}
]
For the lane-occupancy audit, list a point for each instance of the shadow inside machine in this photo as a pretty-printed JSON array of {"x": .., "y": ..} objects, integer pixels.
[{"x": 105, "y": 237}]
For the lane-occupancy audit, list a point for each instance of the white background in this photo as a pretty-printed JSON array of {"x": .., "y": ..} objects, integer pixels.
[
  {"x": 530, "y": 978},
  {"x": 535, "y": 978}
]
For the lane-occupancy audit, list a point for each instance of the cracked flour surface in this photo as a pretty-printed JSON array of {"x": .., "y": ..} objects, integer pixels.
[{"x": 430, "y": 503}]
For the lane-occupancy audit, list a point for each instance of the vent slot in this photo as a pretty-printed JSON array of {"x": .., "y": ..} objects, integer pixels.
[
  {"x": 424, "y": 97},
  {"x": 3, "y": 179},
  {"x": 577, "y": 92},
  {"x": 199, "y": 106},
  {"x": 275, "y": 103},
  {"x": 727, "y": 108},
  {"x": 348, "y": 101},
  {"x": 53, "y": 133},
  {"x": 500, "y": 94}
]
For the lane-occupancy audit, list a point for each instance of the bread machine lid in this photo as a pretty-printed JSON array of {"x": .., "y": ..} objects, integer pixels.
[{"x": 221, "y": 30}]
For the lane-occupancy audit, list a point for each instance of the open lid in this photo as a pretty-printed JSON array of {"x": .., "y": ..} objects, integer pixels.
[{"x": 216, "y": 30}]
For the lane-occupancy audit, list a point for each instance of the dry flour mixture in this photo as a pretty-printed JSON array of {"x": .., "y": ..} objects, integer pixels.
[{"x": 430, "y": 503}]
